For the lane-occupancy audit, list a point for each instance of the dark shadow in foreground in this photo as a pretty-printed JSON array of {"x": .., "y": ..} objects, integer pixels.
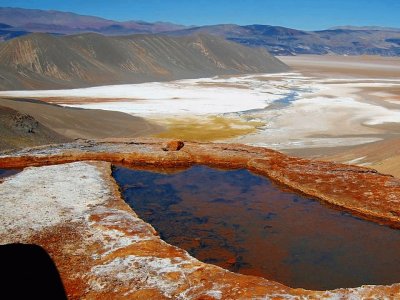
[{"x": 28, "y": 272}]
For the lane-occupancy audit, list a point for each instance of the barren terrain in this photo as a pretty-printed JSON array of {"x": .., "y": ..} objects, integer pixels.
[
  {"x": 326, "y": 105},
  {"x": 367, "y": 72},
  {"x": 340, "y": 66},
  {"x": 312, "y": 112},
  {"x": 27, "y": 123}
]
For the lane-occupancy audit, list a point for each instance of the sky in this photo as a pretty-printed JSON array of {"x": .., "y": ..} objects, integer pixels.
[{"x": 299, "y": 14}]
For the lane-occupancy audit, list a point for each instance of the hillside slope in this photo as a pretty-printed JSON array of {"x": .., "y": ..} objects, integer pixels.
[
  {"x": 18, "y": 130},
  {"x": 72, "y": 123},
  {"x": 42, "y": 61}
]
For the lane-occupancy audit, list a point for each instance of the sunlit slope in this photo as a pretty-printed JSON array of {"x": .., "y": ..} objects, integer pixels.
[{"x": 40, "y": 60}]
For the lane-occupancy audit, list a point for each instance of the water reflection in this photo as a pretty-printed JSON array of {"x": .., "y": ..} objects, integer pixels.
[
  {"x": 8, "y": 172},
  {"x": 245, "y": 223}
]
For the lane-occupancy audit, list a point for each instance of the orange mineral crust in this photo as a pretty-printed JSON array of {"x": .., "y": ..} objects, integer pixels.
[
  {"x": 104, "y": 250},
  {"x": 361, "y": 190}
]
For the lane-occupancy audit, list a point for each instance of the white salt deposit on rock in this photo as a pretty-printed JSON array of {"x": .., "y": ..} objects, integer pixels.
[{"x": 45, "y": 196}]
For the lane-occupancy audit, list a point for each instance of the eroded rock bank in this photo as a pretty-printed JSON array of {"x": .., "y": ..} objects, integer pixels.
[
  {"x": 361, "y": 190},
  {"x": 104, "y": 251}
]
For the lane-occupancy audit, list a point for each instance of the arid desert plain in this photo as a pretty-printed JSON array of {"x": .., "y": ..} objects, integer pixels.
[{"x": 338, "y": 108}]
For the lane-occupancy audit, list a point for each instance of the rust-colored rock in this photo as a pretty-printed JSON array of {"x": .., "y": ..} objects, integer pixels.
[
  {"x": 173, "y": 146},
  {"x": 361, "y": 190},
  {"x": 107, "y": 252}
]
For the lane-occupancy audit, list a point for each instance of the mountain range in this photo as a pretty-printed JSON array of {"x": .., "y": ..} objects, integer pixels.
[
  {"x": 45, "y": 61},
  {"x": 286, "y": 41},
  {"x": 35, "y": 20},
  {"x": 343, "y": 40}
]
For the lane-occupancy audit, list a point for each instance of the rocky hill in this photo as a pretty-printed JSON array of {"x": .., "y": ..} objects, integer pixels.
[
  {"x": 20, "y": 130},
  {"x": 27, "y": 123},
  {"x": 46, "y": 61}
]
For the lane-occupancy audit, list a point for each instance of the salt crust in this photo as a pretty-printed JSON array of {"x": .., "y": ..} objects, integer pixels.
[
  {"x": 46, "y": 196},
  {"x": 319, "y": 113}
]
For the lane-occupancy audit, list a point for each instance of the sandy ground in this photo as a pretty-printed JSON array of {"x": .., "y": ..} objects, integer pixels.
[
  {"x": 339, "y": 66},
  {"x": 368, "y": 79},
  {"x": 281, "y": 111}
]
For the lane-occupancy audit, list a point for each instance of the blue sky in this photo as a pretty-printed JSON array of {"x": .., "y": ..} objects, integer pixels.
[{"x": 301, "y": 14}]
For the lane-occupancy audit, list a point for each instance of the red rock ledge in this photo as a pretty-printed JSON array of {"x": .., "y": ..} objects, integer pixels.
[{"x": 103, "y": 250}]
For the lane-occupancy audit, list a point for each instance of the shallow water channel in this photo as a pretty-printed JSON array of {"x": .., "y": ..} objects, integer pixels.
[
  {"x": 245, "y": 223},
  {"x": 8, "y": 172}
]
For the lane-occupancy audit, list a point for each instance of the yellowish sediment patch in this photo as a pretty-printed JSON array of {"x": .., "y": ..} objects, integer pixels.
[{"x": 207, "y": 129}]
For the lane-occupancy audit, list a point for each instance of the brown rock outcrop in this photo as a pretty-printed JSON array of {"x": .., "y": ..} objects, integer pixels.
[{"x": 173, "y": 146}]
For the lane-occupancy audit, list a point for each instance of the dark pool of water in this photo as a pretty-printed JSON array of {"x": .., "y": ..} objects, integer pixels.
[
  {"x": 8, "y": 172},
  {"x": 245, "y": 223}
]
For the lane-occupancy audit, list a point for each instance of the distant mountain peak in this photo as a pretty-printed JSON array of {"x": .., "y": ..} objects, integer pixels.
[{"x": 69, "y": 22}]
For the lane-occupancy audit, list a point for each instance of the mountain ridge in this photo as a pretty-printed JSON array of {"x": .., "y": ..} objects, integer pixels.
[
  {"x": 37, "y": 20},
  {"x": 352, "y": 27},
  {"x": 279, "y": 40},
  {"x": 46, "y": 61}
]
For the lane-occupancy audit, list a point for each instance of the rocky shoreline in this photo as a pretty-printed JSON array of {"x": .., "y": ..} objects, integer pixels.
[{"x": 70, "y": 205}]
